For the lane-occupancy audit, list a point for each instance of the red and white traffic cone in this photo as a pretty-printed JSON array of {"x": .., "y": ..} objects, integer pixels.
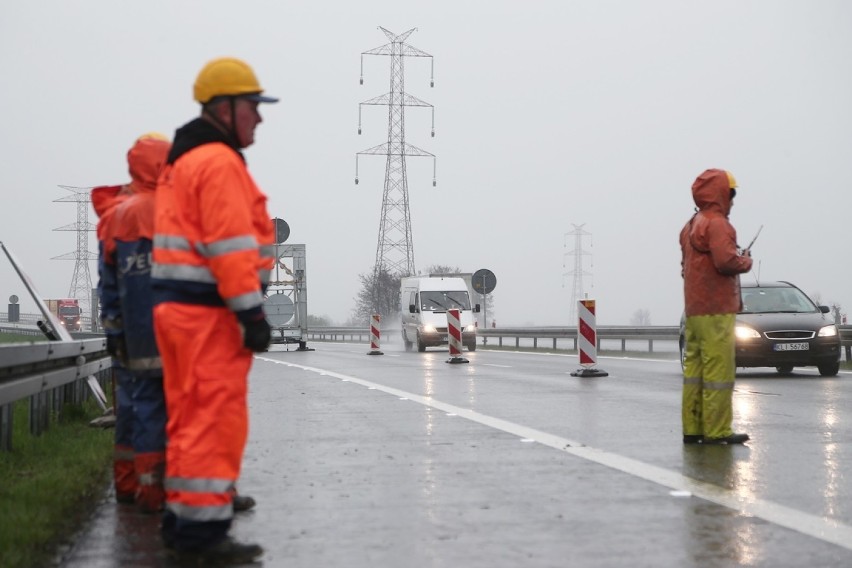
[
  {"x": 454, "y": 336},
  {"x": 587, "y": 340},
  {"x": 375, "y": 335}
]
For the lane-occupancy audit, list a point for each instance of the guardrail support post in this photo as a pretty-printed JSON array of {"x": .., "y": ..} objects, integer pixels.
[
  {"x": 39, "y": 413},
  {"x": 6, "y": 427}
]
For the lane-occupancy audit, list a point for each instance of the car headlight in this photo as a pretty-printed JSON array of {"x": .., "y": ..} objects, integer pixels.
[
  {"x": 828, "y": 331},
  {"x": 471, "y": 327},
  {"x": 745, "y": 332},
  {"x": 428, "y": 329}
]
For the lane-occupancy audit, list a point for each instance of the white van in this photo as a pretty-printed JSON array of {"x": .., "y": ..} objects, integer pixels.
[{"x": 424, "y": 302}]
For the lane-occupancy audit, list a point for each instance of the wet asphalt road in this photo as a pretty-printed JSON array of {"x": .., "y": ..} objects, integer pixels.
[{"x": 405, "y": 460}]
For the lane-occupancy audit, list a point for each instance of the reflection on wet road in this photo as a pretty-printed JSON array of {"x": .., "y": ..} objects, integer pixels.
[{"x": 406, "y": 460}]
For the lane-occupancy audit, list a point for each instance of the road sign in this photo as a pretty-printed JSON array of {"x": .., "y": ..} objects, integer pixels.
[
  {"x": 282, "y": 230},
  {"x": 279, "y": 309},
  {"x": 484, "y": 281}
]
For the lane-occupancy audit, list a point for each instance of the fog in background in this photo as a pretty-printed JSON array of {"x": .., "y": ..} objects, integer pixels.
[{"x": 548, "y": 115}]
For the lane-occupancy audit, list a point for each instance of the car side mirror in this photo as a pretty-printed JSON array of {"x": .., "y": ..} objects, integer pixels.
[
  {"x": 476, "y": 308},
  {"x": 824, "y": 309},
  {"x": 412, "y": 309}
]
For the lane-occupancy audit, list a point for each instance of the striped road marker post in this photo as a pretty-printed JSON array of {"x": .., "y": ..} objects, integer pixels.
[
  {"x": 587, "y": 341},
  {"x": 454, "y": 335},
  {"x": 375, "y": 334}
]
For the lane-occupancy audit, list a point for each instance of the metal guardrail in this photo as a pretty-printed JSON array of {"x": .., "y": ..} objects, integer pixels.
[
  {"x": 647, "y": 334},
  {"x": 623, "y": 333},
  {"x": 556, "y": 336},
  {"x": 49, "y": 374}
]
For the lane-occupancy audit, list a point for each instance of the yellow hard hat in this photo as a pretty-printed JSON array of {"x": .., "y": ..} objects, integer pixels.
[
  {"x": 228, "y": 77},
  {"x": 153, "y": 136},
  {"x": 732, "y": 181}
]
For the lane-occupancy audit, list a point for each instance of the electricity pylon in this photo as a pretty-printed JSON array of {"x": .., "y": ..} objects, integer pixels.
[
  {"x": 577, "y": 289},
  {"x": 81, "y": 280},
  {"x": 395, "y": 249}
]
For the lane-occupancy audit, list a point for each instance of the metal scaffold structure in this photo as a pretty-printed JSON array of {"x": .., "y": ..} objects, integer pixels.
[
  {"x": 578, "y": 291},
  {"x": 395, "y": 249},
  {"x": 81, "y": 280}
]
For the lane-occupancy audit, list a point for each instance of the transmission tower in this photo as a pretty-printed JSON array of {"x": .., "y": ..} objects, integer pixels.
[
  {"x": 81, "y": 280},
  {"x": 395, "y": 249},
  {"x": 577, "y": 289}
]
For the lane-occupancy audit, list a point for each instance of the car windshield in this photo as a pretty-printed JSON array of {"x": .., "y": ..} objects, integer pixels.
[
  {"x": 443, "y": 301},
  {"x": 776, "y": 300}
]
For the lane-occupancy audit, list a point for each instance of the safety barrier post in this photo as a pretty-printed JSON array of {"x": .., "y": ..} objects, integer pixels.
[
  {"x": 375, "y": 335},
  {"x": 587, "y": 340},
  {"x": 454, "y": 336}
]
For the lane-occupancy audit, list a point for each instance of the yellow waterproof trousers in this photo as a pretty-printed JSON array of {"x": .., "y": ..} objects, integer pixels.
[{"x": 708, "y": 375}]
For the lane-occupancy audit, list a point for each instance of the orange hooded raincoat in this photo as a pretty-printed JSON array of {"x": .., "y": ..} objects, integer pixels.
[{"x": 711, "y": 264}]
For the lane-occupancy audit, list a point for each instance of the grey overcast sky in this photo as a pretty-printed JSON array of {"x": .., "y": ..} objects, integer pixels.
[{"x": 548, "y": 114}]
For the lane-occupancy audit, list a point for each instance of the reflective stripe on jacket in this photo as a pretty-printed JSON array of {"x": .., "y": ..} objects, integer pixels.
[
  {"x": 213, "y": 235},
  {"x": 711, "y": 261}
]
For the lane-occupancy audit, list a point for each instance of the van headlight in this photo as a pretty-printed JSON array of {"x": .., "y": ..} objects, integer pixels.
[
  {"x": 428, "y": 329},
  {"x": 471, "y": 327},
  {"x": 828, "y": 331},
  {"x": 745, "y": 332}
]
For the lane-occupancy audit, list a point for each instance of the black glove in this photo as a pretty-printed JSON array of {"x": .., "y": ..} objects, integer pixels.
[
  {"x": 117, "y": 347},
  {"x": 257, "y": 334}
]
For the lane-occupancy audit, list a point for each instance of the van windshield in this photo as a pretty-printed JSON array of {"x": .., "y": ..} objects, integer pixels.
[{"x": 443, "y": 301}]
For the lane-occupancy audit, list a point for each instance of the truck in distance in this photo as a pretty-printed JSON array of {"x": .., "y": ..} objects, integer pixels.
[{"x": 67, "y": 311}]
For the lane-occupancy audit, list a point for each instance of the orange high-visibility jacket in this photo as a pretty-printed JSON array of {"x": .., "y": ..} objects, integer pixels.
[
  {"x": 711, "y": 262},
  {"x": 212, "y": 233}
]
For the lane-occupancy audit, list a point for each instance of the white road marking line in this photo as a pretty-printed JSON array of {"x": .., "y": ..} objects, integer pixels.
[
  {"x": 495, "y": 365},
  {"x": 821, "y": 528}
]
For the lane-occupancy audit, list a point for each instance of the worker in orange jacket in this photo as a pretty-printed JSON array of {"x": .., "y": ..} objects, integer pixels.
[
  {"x": 105, "y": 200},
  {"x": 711, "y": 265},
  {"x": 144, "y": 160},
  {"x": 128, "y": 292},
  {"x": 212, "y": 257}
]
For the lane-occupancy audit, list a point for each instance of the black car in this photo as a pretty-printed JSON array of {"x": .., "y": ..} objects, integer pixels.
[{"x": 780, "y": 326}]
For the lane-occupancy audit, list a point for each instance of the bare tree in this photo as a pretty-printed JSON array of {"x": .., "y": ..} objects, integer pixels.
[
  {"x": 379, "y": 294},
  {"x": 318, "y": 321},
  {"x": 641, "y": 318},
  {"x": 442, "y": 269}
]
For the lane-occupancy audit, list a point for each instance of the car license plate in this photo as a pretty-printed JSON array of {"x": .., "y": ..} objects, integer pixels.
[{"x": 791, "y": 346}]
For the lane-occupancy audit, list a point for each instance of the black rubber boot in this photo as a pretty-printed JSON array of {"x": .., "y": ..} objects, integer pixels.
[
  {"x": 732, "y": 439},
  {"x": 243, "y": 503},
  {"x": 227, "y": 552},
  {"x": 693, "y": 439}
]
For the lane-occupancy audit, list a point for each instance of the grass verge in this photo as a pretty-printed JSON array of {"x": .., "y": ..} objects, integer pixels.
[
  {"x": 49, "y": 484},
  {"x": 19, "y": 338}
]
